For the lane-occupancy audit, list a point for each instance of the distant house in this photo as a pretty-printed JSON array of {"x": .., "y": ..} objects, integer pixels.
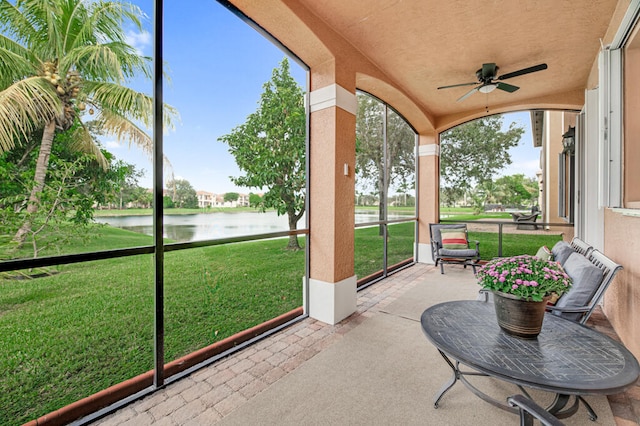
[
  {"x": 209, "y": 199},
  {"x": 243, "y": 200},
  {"x": 220, "y": 202},
  {"x": 205, "y": 199}
]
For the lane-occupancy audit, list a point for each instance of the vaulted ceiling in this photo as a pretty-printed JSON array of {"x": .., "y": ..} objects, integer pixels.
[{"x": 405, "y": 50}]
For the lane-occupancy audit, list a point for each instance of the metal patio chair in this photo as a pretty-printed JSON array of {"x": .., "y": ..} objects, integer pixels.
[
  {"x": 530, "y": 411},
  {"x": 462, "y": 254},
  {"x": 525, "y": 221},
  {"x": 581, "y": 246}
]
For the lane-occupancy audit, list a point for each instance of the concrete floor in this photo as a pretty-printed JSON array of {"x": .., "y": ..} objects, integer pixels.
[{"x": 374, "y": 367}]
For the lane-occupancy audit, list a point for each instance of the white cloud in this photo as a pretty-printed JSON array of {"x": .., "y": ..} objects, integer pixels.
[
  {"x": 528, "y": 168},
  {"x": 531, "y": 165},
  {"x": 138, "y": 41},
  {"x": 112, "y": 144}
]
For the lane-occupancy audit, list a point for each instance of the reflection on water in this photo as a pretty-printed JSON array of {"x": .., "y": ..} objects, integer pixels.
[{"x": 209, "y": 226}]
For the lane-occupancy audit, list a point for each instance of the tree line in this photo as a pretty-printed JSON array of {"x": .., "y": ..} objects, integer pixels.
[{"x": 513, "y": 191}]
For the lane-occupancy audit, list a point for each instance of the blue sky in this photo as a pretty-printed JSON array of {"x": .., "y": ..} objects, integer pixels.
[
  {"x": 526, "y": 158},
  {"x": 217, "y": 65}
]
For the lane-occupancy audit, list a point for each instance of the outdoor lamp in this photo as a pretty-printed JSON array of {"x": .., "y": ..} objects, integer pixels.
[{"x": 569, "y": 140}]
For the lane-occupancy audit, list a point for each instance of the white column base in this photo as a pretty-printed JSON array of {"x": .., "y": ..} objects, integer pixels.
[
  {"x": 424, "y": 254},
  {"x": 332, "y": 302}
]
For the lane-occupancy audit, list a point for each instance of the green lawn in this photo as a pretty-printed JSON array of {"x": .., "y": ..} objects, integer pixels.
[
  {"x": 512, "y": 244},
  {"x": 90, "y": 325}
]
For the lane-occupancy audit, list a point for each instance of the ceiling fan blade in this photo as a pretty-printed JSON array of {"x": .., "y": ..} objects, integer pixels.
[
  {"x": 457, "y": 85},
  {"x": 523, "y": 71},
  {"x": 489, "y": 71},
  {"x": 506, "y": 87},
  {"x": 469, "y": 93}
]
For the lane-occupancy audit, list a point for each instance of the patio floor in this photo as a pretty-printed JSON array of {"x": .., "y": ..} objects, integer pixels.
[{"x": 375, "y": 367}]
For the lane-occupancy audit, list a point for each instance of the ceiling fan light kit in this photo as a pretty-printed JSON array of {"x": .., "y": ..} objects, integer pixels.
[
  {"x": 487, "y": 88},
  {"x": 488, "y": 80}
]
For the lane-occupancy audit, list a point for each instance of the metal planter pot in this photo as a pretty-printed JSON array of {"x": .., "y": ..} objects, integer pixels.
[{"x": 519, "y": 317}]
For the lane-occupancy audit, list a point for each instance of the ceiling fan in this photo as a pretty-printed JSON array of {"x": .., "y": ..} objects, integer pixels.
[{"x": 488, "y": 81}]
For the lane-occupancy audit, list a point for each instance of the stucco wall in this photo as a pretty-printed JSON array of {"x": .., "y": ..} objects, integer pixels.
[
  {"x": 556, "y": 123},
  {"x": 622, "y": 231},
  {"x": 622, "y": 299},
  {"x": 632, "y": 124}
]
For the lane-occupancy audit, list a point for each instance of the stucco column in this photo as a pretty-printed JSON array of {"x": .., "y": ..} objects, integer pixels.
[
  {"x": 429, "y": 197},
  {"x": 332, "y": 285}
]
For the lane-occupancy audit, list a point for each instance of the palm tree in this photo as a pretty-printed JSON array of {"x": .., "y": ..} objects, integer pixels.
[{"x": 62, "y": 59}]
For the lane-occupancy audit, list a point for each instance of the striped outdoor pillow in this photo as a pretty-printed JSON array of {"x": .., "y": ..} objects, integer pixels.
[{"x": 454, "y": 239}]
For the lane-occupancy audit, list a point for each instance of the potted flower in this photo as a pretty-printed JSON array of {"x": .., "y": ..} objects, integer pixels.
[{"x": 522, "y": 286}]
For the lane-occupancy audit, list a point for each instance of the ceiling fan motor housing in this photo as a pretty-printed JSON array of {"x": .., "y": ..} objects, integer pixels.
[{"x": 487, "y": 73}]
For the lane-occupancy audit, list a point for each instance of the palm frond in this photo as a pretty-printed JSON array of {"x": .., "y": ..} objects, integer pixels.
[
  {"x": 16, "y": 62},
  {"x": 132, "y": 63},
  {"x": 107, "y": 18},
  {"x": 127, "y": 131},
  {"x": 127, "y": 102},
  {"x": 113, "y": 62},
  {"x": 25, "y": 106},
  {"x": 37, "y": 28},
  {"x": 123, "y": 100},
  {"x": 84, "y": 142},
  {"x": 73, "y": 21},
  {"x": 13, "y": 22}
]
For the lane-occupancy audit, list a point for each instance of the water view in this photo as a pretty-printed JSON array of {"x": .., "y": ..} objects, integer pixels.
[{"x": 209, "y": 226}]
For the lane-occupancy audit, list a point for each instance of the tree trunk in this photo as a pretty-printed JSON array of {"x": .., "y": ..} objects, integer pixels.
[
  {"x": 381, "y": 213},
  {"x": 40, "y": 176},
  {"x": 293, "y": 225}
]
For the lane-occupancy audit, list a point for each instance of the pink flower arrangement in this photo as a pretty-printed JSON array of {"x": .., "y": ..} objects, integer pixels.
[{"x": 526, "y": 276}]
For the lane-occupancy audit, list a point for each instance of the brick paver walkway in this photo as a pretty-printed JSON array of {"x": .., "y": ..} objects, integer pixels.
[{"x": 209, "y": 394}]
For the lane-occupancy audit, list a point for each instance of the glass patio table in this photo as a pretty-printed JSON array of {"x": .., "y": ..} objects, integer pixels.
[{"x": 567, "y": 359}]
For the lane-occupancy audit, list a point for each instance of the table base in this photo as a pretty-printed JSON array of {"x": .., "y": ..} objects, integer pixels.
[{"x": 558, "y": 407}]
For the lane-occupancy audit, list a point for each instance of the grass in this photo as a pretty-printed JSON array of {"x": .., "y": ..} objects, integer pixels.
[
  {"x": 90, "y": 325},
  {"x": 369, "y": 247},
  {"x": 512, "y": 244},
  {"x": 481, "y": 216}
]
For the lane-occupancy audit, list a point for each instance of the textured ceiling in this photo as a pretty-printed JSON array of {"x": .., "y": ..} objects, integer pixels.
[{"x": 420, "y": 45}]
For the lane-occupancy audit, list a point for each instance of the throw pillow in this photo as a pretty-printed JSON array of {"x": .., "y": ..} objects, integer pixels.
[
  {"x": 586, "y": 279},
  {"x": 453, "y": 239},
  {"x": 561, "y": 252},
  {"x": 544, "y": 253}
]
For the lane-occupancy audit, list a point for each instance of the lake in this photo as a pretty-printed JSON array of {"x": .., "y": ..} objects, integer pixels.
[{"x": 209, "y": 226}]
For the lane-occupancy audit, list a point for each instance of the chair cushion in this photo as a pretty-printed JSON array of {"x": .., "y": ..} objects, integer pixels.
[
  {"x": 544, "y": 253},
  {"x": 561, "y": 252},
  {"x": 436, "y": 228},
  {"x": 457, "y": 253},
  {"x": 454, "y": 239},
  {"x": 586, "y": 279}
]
